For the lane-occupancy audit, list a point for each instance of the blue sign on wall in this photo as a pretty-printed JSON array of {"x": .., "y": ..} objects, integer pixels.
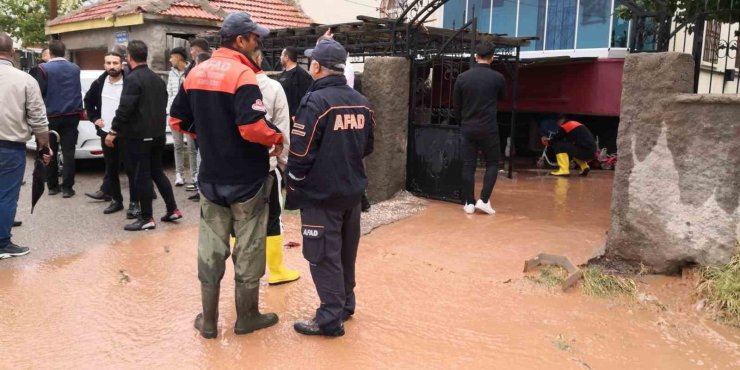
[{"x": 122, "y": 38}]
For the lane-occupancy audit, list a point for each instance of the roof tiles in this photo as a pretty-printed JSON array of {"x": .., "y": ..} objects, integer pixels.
[{"x": 270, "y": 13}]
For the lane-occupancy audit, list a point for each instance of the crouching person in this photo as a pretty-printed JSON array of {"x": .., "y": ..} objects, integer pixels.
[{"x": 220, "y": 103}]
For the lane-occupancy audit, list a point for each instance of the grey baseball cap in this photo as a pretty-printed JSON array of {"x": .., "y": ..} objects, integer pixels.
[
  {"x": 329, "y": 53},
  {"x": 241, "y": 23}
]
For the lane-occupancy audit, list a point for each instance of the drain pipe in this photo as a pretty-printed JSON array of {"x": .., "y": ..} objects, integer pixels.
[{"x": 52, "y": 9}]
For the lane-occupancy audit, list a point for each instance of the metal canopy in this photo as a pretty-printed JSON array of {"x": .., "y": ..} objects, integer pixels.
[{"x": 381, "y": 37}]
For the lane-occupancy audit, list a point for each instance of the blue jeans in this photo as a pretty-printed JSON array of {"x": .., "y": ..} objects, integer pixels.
[{"x": 12, "y": 166}]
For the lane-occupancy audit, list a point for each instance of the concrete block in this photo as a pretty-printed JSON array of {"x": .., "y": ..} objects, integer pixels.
[
  {"x": 385, "y": 82},
  {"x": 677, "y": 183}
]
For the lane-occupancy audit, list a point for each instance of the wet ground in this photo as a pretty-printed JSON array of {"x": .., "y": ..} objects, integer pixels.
[{"x": 437, "y": 290}]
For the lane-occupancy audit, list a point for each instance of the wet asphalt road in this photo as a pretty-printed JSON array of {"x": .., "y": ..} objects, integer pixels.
[{"x": 61, "y": 227}]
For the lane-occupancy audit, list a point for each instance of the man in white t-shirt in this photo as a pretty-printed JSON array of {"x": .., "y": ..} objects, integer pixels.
[
  {"x": 277, "y": 112},
  {"x": 101, "y": 103}
]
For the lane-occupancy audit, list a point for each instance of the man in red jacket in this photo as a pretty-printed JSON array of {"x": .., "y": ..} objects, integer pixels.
[{"x": 220, "y": 102}]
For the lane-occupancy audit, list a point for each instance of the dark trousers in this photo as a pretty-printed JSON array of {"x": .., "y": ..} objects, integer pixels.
[
  {"x": 66, "y": 127},
  {"x": 12, "y": 166},
  {"x": 274, "y": 226},
  {"x": 574, "y": 151},
  {"x": 111, "y": 180},
  {"x": 330, "y": 240},
  {"x": 489, "y": 144},
  {"x": 143, "y": 157}
]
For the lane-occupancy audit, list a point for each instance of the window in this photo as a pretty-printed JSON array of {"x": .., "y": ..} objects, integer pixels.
[
  {"x": 482, "y": 10},
  {"x": 504, "y": 17},
  {"x": 594, "y": 17},
  {"x": 620, "y": 32},
  {"x": 561, "y": 25},
  {"x": 531, "y": 22},
  {"x": 711, "y": 41},
  {"x": 454, "y": 14}
]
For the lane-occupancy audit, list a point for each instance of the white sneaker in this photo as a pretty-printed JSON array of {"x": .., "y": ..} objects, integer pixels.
[
  {"x": 469, "y": 209},
  {"x": 485, "y": 207},
  {"x": 178, "y": 180}
]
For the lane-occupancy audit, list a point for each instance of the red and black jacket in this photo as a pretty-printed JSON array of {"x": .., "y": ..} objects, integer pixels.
[
  {"x": 332, "y": 133},
  {"x": 220, "y": 102},
  {"x": 576, "y": 133}
]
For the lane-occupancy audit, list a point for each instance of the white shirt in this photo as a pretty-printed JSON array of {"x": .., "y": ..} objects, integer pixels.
[
  {"x": 349, "y": 73},
  {"x": 109, "y": 101},
  {"x": 276, "y": 106}
]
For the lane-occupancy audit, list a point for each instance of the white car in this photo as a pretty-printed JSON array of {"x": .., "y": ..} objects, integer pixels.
[{"x": 88, "y": 142}]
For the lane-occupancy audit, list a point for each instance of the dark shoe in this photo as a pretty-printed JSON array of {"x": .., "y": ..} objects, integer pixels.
[
  {"x": 172, "y": 216},
  {"x": 68, "y": 193},
  {"x": 141, "y": 224},
  {"x": 195, "y": 197},
  {"x": 99, "y": 195},
  {"x": 585, "y": 172},
  {"x": 248, "y": 316},
  {"x": 365, "y": 204},
  {"x": 114, "y": 206},
  {"x": 133, "y": 211},
  {"x": 206, "y": 321},
  {"x": 54, "y": 191},
  {"x": 310, "y": 327},
  {"x": 17, "y": 223},
  {"x": 12, "y": 250}
]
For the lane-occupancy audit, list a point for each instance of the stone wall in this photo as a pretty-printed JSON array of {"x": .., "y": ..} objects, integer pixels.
[
  {"x": 154, "y": 34},
  {"x": 677, "y": 184},
  {"x": 385, "y": 82}
]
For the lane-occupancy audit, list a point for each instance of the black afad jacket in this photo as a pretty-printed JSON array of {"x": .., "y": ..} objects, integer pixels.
[{"x": 332, "y": 133}]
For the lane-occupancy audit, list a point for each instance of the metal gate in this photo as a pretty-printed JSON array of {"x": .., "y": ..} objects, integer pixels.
[
  {"x": 434, "y": 167},
  {"x": 434, "y": 157}
]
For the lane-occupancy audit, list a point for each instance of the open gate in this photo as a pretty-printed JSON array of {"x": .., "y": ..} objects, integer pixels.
[{"x": 434, "y": 163}]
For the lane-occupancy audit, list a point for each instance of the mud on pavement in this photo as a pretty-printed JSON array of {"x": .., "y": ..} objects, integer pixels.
[{"x": 437, "y": 290}]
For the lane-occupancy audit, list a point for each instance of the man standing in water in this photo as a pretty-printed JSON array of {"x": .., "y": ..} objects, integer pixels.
[
  {"x": 476, "y": 92},
  {"x": 332, "y": 134},
  {"x": 221, "y": 103}
]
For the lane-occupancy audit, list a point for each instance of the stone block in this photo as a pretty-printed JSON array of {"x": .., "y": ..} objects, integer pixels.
[
  {"x": 677, "y": 182},
  {"x": 385, "y": 82}
]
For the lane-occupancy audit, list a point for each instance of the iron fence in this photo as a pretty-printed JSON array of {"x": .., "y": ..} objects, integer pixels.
[{"x": 712, "y": 36}]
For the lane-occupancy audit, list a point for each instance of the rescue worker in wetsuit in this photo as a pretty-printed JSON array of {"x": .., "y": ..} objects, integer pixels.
[
  {"x": 332, "y": 133},
  {"x": 575, "y": 140},
  {"x": 220, "y": 102}
]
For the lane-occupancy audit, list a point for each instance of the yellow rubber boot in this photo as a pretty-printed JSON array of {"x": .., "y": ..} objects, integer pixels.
[
  {"x": 564, "y": 164},
  {"x": 585, "y": 169},
  {"x": 279, "y": 274}
]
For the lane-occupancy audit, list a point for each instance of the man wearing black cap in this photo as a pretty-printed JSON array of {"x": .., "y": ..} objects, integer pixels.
[
  {"x": 221, "y": 103},
  {"x": 333, "y": 132},
  {"x": 476, "y": 92}
]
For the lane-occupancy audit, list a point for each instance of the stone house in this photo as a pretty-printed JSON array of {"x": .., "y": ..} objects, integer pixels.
[{"x": 93, "y": 30}]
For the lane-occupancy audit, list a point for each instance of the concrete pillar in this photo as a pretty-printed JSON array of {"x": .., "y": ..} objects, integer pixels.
[
  {"x": 677, "y": 181},
  {"x": 385, "y": 82}
]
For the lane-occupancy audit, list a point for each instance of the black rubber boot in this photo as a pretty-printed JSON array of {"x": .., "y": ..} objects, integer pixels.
[
  {"x": 248, "y": 317},
  {"x": 206, "y": 321}
]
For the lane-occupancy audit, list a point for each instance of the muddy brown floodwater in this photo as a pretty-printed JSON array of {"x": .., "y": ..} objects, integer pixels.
[{"x": 438, "y": 290}]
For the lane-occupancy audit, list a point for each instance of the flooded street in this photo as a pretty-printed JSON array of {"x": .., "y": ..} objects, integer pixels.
[{"x": 440, "y": 289}]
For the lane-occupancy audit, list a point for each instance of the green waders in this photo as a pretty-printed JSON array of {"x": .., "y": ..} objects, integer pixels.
[{"x": 248, "y": 220}]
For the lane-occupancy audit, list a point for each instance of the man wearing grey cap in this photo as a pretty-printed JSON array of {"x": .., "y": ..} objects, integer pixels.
[
  {"x": 220, "y": 102},
  {"x": 332, "y": 133}
]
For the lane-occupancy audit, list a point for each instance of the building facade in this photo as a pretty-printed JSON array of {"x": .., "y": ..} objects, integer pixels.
[{"x": 95, "y": 29}]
